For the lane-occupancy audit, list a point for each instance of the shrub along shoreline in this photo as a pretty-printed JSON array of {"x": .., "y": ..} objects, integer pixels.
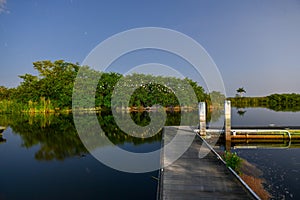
[{"x": 51, "y": 90}]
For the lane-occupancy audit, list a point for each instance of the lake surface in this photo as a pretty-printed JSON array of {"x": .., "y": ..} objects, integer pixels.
[
  {"x": 43, "y": 158},
  {"x": 280, "y": 167},
  {"x": 263, "y": 117}
]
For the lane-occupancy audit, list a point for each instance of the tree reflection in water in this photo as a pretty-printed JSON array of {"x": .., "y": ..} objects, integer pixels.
[{"x": 57, "y": 138}]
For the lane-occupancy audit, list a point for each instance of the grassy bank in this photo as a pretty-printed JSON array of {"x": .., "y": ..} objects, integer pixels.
[
  {"x": 42, "y": 106},
  {"x": 250, "y": 174}
]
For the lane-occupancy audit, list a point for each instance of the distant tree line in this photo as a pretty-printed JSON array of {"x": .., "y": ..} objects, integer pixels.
[
  {"x": 51, "y": 90},
  {"x": 277, "y": 102}
]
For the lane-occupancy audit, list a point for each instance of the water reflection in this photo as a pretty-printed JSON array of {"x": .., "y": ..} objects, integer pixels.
[
  {"x": 2, "y": 140},
  {"x": 54, "y": 137},
  {"x": 241, "y": 111},
  {"x": 264, "y": 117},
  {"x": 54, "y": 134},
  {"x": 57, "y": 137}
]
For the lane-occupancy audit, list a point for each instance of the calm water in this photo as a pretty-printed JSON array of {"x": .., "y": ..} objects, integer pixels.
[
  {"x": 263, "y": 117},
  {"x": 280, "y": 166},
  {"x": 43, "y": 158}
]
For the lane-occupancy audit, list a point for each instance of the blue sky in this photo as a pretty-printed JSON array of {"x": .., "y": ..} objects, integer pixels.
[{"x": 255, "y": 44}]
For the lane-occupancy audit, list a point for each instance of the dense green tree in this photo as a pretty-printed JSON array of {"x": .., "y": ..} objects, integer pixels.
[
  {"x": 4, "y": 93},
  {"x": 106, "y": 85},
  {"x": 199, "y": 91},
  {"x": 216, "y": 99},
  {"x": 53, "y": 88},
  {"x": 29, "y": 89},
  {"x": 54, "y": 82}
]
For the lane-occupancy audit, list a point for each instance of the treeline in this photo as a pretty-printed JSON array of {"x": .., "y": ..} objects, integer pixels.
[
  {"x": 51, "y": 90},
  {"x": 277, "y": 102}
]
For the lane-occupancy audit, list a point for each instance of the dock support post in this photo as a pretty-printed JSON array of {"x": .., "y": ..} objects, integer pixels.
[
  {"x": 227, "y": 120},
  {"x": 202, "y": 118}
]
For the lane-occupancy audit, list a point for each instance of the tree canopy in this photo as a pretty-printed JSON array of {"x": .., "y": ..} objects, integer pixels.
[{"x": 53, "y": 86}]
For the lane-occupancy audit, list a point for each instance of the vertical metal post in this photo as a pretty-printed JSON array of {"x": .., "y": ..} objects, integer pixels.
[
  {"x": 202, "y": 118},
  {"x": 227, "y": 120}
]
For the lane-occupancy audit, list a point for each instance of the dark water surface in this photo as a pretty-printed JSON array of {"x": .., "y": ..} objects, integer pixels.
[
  {"x": 44, "y": 158},
  {"x": 263, "y": 117},
  {"x": 77, "y": 177},
  {"x": 280, "y": 166}
]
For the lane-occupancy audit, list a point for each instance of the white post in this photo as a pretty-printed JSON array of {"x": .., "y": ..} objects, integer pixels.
[
  {"x": 202, "y": 118},
  {"x": 227, "y": 120}
]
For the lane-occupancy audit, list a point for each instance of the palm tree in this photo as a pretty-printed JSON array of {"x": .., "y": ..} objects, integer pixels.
[{"x": 240, "y": 91}]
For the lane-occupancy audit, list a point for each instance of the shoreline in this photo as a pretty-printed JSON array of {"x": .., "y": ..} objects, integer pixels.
[{"x": 98, "y": 109}]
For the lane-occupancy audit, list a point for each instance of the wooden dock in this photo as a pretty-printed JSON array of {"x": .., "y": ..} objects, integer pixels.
[{"x": 191, "y": 177}]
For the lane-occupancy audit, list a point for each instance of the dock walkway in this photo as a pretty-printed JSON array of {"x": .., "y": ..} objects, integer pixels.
[{"x": 190, "y": 177}]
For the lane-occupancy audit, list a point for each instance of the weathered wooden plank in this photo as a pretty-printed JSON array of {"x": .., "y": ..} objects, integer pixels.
[{"x": 190, "y": 177}]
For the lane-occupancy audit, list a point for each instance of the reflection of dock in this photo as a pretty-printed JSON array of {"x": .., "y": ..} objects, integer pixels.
[
  {"x": 254, "y": 142},
  {"x": 191, "y": 177},
  {"x": 2, "y": 128},
  {"x": 265, "y": 138},
  {"x": 1, "y": 131},
  {"x": 284, "y": 134},
  {"x": 256, "y": 138}
]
